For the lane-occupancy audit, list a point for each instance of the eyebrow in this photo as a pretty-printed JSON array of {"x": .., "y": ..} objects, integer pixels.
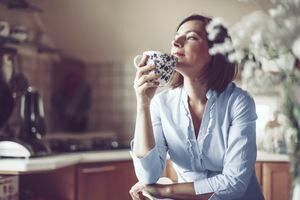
[{"x": 200, "y": 33}]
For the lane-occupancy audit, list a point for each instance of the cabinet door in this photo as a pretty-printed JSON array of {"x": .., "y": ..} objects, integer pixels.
[
  {"x": 58, "y": 184},
  {"x": 105, "y": 181},
  {"x": 276, "y": 181}
]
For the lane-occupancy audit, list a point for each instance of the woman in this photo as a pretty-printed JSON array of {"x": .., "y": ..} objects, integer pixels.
[{"x": 205, "y": 123}]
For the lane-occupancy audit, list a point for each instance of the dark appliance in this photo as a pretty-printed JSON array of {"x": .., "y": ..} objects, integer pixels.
[
  {"x": 21, "y": 100},
  {"x": 32, "y": 115}
]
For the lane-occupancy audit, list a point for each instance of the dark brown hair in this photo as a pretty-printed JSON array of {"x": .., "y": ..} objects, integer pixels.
[{"x": 219, "y": 72}]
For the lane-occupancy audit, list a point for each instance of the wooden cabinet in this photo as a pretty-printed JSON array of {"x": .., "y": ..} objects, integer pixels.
[
  {"x": 276, "y": 181},
  {"x": 91, "y": 181},
  {"x": 107, "y": 181},
  {"x": 58, "y": 184},
  {"x": 113, "y": 180}
]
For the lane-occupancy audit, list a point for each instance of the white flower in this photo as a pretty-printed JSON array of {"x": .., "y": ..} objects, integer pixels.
[
  {"x": 285, "y": 62},
  {"x": 291, "y": 139},
  {"x": 296, "y": 48},
  {"x": 296, "y": 92},
  {"x": 266, "y": 42},
  {"x": 249, "y": 68},
  {"x": 279, "y": 11},
  {"x": 212, "y": 34},
  {"x": 236, "y": 56},
  {"x": 222, "y": 48},
  {"x": 213, "y": 27}
]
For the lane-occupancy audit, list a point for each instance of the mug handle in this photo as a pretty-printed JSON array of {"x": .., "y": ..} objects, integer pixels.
[{"x": 137, "y": 59}]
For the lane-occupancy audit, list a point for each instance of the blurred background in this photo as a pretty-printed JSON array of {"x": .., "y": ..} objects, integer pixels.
[
  {"x": 69, "y": 64},
  {"x": 91, "y": 45}
]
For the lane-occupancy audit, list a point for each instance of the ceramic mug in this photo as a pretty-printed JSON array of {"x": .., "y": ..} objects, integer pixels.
[{"x": 165, "y": 65}]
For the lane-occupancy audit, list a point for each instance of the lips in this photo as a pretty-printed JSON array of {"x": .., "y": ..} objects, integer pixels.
[{"x": 179, "y": 54}]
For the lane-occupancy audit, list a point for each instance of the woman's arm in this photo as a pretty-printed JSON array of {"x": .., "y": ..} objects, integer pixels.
[
  {"x": 145, "y": 89},
  {"x": 149, "y": 147},
  {"x": 149, "y": 162},
  {"x": 143, "y": 135},
  {"x": 178, "y": 191}
]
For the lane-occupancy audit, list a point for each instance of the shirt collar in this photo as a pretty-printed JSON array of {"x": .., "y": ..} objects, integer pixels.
[{"x": 210, "y": 93}]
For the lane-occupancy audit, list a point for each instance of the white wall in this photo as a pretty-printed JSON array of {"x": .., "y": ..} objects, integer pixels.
[{"x": 116, "y": 30}]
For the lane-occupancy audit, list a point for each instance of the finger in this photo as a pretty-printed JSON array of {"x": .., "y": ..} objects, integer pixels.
[
  {"x": 141, "y": 196},
  {"x": 142, "y": 70},
  {"x": 133, "y": 195},
  {"x": 135, "y": 190},
  {"x": 143, "y": 61},
  {"x": 146, "y": 78},
  {"x": 148, "y": 85}
]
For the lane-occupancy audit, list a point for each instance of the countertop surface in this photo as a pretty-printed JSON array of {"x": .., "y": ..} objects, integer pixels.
[
  {"x": 62, "y": 160},
  {"x": 53, "y": 162}
]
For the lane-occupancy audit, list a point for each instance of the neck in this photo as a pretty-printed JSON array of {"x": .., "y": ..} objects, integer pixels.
[{"x": 195, "y": 90}]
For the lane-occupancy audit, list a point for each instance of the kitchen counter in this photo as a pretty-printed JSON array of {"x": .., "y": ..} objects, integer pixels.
[
  {"x": 15, "y": 166},
  {"x": 21, "y": 165},
  {"x": 263, "y": 156}
]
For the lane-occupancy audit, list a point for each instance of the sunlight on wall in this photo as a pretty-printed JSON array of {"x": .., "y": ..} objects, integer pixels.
[{"x": 265, "y": 108}]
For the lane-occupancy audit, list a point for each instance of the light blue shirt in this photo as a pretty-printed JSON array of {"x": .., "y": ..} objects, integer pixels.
[{"x": 221, "y": 159}]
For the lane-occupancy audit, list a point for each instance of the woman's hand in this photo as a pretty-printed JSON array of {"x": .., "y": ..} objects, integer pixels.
[
  {"x": 179, "y": 191},
  {"x": 155, "y": 190},
  {"x": 145, "y": 83},
  {"x": 136, "y": 191},
  {"x": 158, "y": 190}
]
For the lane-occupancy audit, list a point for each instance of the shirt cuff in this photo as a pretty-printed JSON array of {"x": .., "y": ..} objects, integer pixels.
[
  {"x": 202, "y": 186},
  {"x": 146, "y": 161}
]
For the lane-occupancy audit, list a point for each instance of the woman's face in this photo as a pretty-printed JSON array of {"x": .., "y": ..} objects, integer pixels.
[{"x": 190, "y": 46}]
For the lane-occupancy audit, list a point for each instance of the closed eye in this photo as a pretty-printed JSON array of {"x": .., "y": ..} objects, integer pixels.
[{"x": 192, "y": 38}]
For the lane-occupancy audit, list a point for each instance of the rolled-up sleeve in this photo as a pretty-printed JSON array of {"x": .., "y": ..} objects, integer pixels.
[
  {"x": 149, "y": 168},
  {"x": 240, "y": 155}
]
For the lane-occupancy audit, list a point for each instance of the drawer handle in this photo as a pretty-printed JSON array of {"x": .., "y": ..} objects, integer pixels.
[{"x": 99, "y": 169}]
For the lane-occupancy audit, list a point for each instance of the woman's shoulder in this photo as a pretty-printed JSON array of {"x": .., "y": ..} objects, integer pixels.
[
  {"x": 235, "y": 93},
  {"x": 238, "y": 102}
]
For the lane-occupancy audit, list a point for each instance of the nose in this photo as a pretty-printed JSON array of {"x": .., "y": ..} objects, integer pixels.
[{"x": 177, "y": 42}]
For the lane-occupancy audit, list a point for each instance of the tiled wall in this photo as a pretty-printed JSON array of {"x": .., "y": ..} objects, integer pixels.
[
  {"x": 113, "y": 98},
  {"x": 112, "y": 94}
]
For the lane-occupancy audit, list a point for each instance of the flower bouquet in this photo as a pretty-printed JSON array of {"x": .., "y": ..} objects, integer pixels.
[{"x": 266, "y": 45}]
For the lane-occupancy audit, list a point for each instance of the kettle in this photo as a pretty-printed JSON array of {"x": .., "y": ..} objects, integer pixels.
[
  {"x": 32, "y": 115},
  {"x": 32, "y": 129}
]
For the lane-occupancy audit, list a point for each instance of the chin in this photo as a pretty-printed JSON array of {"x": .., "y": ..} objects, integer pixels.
[
  {"x": 181, "y": 70},
  {"x": 180, "y": 64},
  {"x": 183, "y": 65}
]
